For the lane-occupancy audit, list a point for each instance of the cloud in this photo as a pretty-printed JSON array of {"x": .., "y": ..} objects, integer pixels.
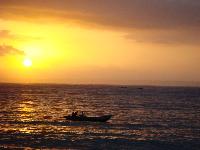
[
  {"x": 6, "y": 34},
  {"x": 166, "y": 37},
  {"x": 121, "y": 13},
  {"x": 7, "y": 49},
  {"x": 124, "y": 15}
]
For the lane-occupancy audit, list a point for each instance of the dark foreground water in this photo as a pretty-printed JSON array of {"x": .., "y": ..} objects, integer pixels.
[{"x": 150, "y": 118}]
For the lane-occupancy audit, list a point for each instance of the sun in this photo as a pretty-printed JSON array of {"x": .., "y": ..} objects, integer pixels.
[{"x": 27, "y": 62}]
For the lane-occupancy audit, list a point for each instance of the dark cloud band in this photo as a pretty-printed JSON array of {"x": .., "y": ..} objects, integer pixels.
[
  {"x": 122, "y": 13},
  {"x": 177, "y": 18}
]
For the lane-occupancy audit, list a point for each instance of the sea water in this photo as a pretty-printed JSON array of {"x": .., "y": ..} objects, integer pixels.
[{"x": 144, "y": 117}]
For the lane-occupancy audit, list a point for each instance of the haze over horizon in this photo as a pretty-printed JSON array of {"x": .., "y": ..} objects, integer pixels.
[{"x": 132, "y": 42}]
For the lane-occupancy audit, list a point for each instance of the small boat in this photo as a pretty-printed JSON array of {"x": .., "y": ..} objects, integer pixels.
[{"x": 91, "y": 119}]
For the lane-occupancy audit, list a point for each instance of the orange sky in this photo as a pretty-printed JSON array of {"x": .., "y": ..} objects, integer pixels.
[{"x": 103, "y": 42}]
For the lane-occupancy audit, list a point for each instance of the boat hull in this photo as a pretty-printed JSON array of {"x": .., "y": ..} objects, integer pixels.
[{"x": 91, "y": 119}]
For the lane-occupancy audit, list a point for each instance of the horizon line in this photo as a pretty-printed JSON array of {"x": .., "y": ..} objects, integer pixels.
[{"x": 162, "y": 84}]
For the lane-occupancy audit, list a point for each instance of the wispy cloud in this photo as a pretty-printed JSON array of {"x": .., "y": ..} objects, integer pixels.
[
  {"x": 6, "y": 34},
  {"x": 8, "y": 49}
]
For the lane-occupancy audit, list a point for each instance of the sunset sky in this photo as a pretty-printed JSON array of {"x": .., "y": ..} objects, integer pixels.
[{"x": 100, "y": 41}]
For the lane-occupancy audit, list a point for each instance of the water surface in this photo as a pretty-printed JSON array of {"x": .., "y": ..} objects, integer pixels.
[{"x": 31, "y": 116}]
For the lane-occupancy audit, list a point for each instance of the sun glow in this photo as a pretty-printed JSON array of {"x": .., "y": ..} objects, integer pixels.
[{"x": 27, "y": 62}]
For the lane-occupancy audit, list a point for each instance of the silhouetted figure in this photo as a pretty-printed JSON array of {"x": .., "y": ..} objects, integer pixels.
[{"x": 75, "y": 114}]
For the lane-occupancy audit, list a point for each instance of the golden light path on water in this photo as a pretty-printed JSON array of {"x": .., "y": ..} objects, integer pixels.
[{"x": 36, "y": 118}]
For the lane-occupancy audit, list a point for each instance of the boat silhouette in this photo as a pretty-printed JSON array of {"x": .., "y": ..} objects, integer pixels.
[{"x": 103, "y": 118}]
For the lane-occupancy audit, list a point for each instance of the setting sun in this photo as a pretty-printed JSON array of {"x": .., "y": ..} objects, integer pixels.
[{"x": 27, "y": 62}]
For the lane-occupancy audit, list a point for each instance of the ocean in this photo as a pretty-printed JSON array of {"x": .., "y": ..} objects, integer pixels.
[{"x": 144, "y": 117}]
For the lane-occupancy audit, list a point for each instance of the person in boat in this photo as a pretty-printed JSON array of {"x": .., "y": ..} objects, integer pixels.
[{"x": 74, "y": 114}]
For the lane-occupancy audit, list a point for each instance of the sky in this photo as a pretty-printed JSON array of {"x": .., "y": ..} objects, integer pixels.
[{"x": 100, "y": 41}]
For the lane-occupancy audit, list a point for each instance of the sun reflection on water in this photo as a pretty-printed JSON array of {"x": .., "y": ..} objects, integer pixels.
[{"x": 26, "y": 110}]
